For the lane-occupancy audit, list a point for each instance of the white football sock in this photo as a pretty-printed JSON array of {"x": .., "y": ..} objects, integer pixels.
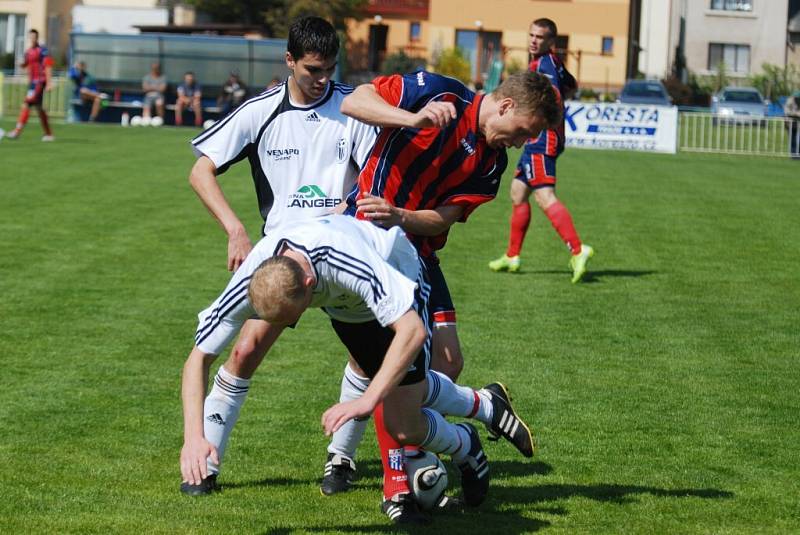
[
  {"x": 221, "y": 411},
  {"x": 347, "y": 438},
  {"x": 444, "y": 437},
  {"x": 446, "y": 397}
]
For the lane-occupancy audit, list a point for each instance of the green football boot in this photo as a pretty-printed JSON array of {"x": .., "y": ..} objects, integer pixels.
[
  {"x": 505, "y": 263},
  {"x": 578, "y": 262}
]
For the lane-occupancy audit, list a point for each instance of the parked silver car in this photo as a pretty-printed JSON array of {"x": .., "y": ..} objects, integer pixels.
[{"x": 739, "y": 104}]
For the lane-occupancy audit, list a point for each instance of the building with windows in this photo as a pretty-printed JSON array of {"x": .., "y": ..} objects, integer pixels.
[
  {"x": 740, "y": 35},
  {"x": 55, "y": 19},
  {"x": 593, "y": 34}
]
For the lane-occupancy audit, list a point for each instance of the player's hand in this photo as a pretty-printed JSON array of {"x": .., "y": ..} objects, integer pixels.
[
  {"x": 341, "y": 413},
  {"x": 239, "y": 247},
  {"x": 435, "y": 114},
  {"x": 379, "y": 211},
  {"x": 48, "y": 88},
  {"x": 193, "y": 460}
]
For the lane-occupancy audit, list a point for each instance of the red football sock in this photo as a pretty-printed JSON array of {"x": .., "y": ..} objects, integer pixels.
[
  {"x": 45, "y": 122},
  {"x": 559, "y": 216},
  {"x": 23, "y": 117},
  {"x": 520, "y": 219},
  {"x": 395, "y": 480}
]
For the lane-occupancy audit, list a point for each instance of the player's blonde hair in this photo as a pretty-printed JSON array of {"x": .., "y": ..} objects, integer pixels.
[
  {"x": 533, "y": 93},
  {"x": 277, "y": 289}
]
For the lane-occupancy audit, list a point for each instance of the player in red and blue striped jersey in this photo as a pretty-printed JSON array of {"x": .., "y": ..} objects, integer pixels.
[
  {"x": 40, "y": 66},
  {"x": 536, "y": 170},
  {"x": 440, "y": 154}
]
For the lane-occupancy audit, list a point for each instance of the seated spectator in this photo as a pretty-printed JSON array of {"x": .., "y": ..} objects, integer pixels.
[
  {"x": 154, "y": 84},
  {"x": 234, "y": 92},
  {"x": 189, "y": 94},
  {"x": 86, "y": 89}
]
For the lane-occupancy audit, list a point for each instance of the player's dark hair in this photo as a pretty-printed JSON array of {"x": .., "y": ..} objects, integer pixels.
[
  {"x": 548, "y": 24},
  {"x": 312, "y": 35},
  {"x": 34, "y": 31},
  {"x": 532, "y": 93}
]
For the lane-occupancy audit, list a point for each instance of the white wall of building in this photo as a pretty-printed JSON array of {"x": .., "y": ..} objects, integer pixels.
[
  {"x": 111, "y": 19},
  {"x": 654, "y": 38}
]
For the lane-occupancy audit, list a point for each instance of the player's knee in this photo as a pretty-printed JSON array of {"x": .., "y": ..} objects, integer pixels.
[
  {"x": 520, "y": 192},
  {"x": 402, "y": 431},
  {"x": 244, "y": 359},
  {"x": 545, "y": 197},
  {"x": 454, "y": 367}
]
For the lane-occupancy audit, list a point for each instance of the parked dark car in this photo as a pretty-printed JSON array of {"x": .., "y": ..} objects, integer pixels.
[{"x": 651, "y": 92}]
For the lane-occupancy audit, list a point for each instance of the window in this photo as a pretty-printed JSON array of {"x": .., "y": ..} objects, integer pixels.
[
  {"x": 414, "y": 32},
  {"x": 736, "y": 58},
  {"x": 732, "y": 5},
  {"x": 608, "y": 46},
  {"x": 562, "y": 46},
  {"x": 12, "y": 33}
]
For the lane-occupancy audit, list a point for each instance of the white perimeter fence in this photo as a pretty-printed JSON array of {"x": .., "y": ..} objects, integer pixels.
[{"x": 768, "y": 136}]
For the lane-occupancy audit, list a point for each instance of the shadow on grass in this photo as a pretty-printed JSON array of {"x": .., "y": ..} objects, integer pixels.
[
  {"x": 508, "y": 509},
  {"x": 591, "y": 276},
  {"x": 602, "y": 492},
  {"x": 266, "y": 482},
  {"x": 597, "y": 276}
]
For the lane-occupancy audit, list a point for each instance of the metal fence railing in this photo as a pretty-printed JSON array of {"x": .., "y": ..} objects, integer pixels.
[
  {"x": 763, "y": 136},
  {"x": 15, "y": 87}
]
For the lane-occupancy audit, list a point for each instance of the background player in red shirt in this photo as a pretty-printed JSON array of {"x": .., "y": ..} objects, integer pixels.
[
  {"x": 40, "y": 67},
  {"x": 536, "y": 170}
]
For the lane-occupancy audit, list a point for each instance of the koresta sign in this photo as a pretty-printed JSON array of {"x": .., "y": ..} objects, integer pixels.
[{"x": 621, "y": 126}]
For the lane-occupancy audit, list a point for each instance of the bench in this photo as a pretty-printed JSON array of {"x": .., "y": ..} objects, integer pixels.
[{"x": 127, "y": 97}]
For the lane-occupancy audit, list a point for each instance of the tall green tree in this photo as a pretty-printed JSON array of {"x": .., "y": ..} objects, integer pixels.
[{"x": 277, "y": 15}]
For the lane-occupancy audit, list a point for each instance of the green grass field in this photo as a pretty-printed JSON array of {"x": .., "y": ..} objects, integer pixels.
[{"x": 663, "y": 390}]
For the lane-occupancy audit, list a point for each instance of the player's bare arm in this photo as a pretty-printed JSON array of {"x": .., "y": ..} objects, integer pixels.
[
  {"x": 48, "y": 78},
  {"x": 366, "y": 105},
  {"x": 203, "y": 179},
  {"x": 196, "y": 449},
  {"x": 409, "y": 336},
  {"x": 419, "y": 222}
]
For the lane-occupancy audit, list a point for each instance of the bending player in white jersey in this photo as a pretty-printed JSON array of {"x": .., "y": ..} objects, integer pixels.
[
  {"x": 373, "y": 286},
  {"x": 304, "y": 156}
]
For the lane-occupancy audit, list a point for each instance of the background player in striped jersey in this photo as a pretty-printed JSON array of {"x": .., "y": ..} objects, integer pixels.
[
  {"x": 536, "y": 170},
  {"x": 373, "y": 285},
  {"x": 304, "y": 156},
  {"x": 40, "y": 72},
  {"x": 440, "y": 154}
]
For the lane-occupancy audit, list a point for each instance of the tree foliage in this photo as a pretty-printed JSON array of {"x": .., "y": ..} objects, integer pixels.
[
  {"x": 401, "y": 63},
  {"x": 452, "y": 62},
  {"x": 775, "y": 81},
  {"x": 277, "y": 15}
]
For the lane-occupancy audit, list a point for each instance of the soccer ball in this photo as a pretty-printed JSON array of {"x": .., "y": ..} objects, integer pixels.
[
  {"x": 136, "y": 120},
  {"x": 146, "y": 121},
  {"x": 427, "y": 478},
  {"x": 208, "y": 123},
  {"x": 156, "y": 121}
]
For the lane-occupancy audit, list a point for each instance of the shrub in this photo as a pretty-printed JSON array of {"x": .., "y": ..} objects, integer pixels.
[
  {"x": 401, "y": 63},
  {"x": 452, "y": 62}
]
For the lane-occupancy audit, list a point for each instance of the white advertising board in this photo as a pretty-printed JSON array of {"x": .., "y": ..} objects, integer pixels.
[{"x": 597, "y": 125}]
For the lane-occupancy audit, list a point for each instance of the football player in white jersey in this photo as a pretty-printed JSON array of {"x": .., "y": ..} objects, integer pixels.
[
  {"x": 304, "y": 156},
  {"x": 373, "y": 285}
]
